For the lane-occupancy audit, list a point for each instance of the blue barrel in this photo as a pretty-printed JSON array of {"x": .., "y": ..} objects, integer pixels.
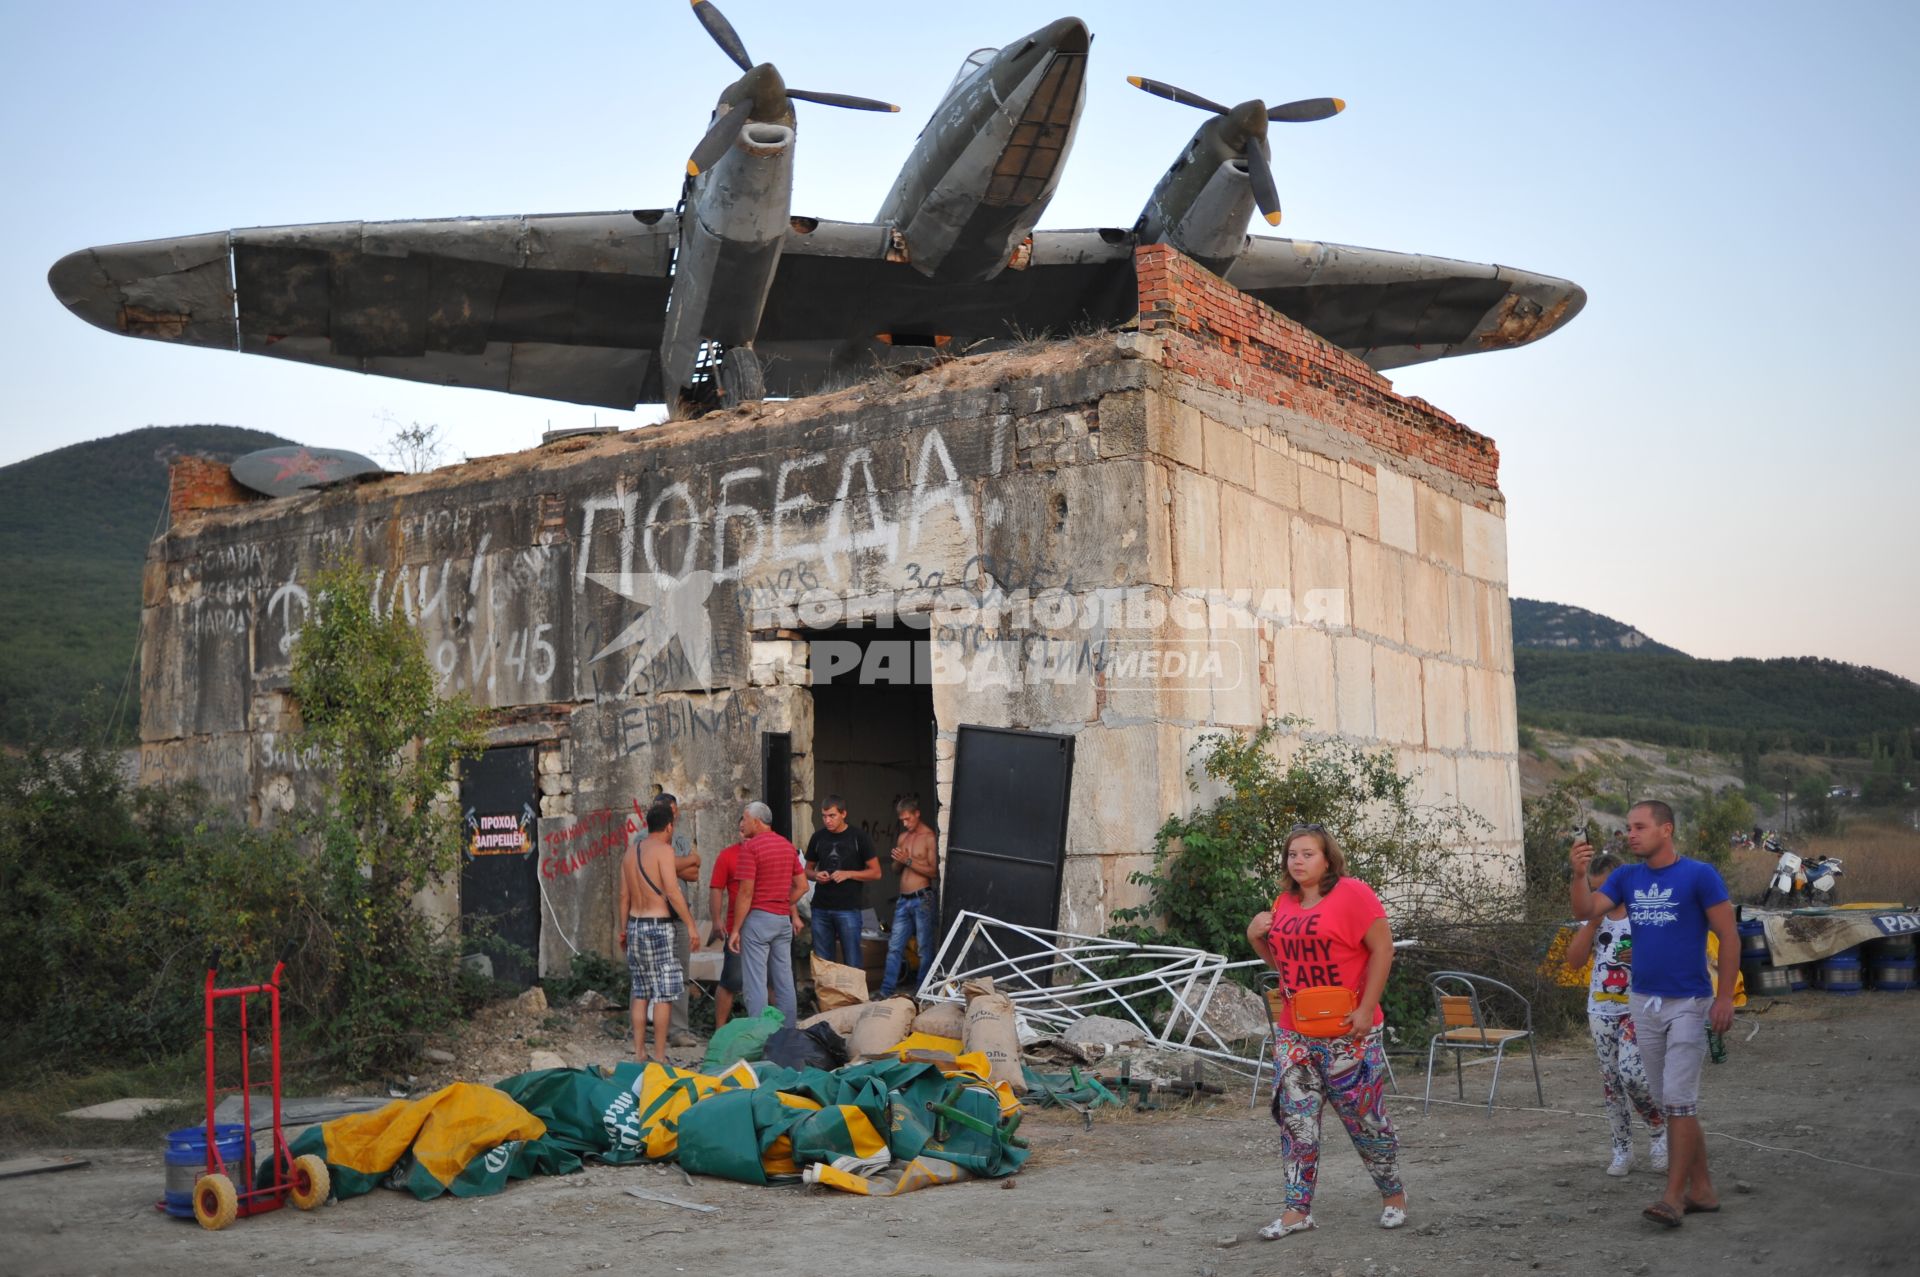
[
  {"x": 187, "y": 1162},
  {"x": 1798, "y": 975},
  {"x": 1753, "y": 942},
  {"x": 1841, "y": 972},
  {"x": 1891, "y": 974}
]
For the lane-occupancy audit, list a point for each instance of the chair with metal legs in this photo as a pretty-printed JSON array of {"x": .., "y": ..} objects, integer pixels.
[{"x": 1464, "y": 1026}]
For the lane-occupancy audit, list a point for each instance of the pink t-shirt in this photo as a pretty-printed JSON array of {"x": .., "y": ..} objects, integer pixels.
[{"x": 1324, "y": 945}]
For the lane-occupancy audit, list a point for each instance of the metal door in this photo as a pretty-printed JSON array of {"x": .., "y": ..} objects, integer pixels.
[
  {"x": 776, "y": 779},
  {"x": 1007, "y": 826},
  {"x": 499, "y": 886}
]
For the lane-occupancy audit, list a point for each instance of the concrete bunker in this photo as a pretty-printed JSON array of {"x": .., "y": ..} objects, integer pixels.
[{"x": 1107, "y": 547}]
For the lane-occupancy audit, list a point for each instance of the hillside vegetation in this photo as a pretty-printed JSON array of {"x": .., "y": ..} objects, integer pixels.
[
  {"x": 1564, "y": 627},
  {"x": 74, "y": 528}
]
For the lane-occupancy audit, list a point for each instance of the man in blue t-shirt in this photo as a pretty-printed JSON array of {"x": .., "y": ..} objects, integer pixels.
[{"x": 1672, "y": 902}]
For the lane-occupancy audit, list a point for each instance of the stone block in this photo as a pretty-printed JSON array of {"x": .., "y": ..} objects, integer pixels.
[
  {"x": 1174, "y": 431},
  {"x": 1426, "y": 608},
  {"x": 1483, "y": 542},
  {"x": 1490, "y": 728},
  {"x": 1359, "y": 510},
  {"x": 1228, "y": 452},
  {"x": 1395, "y": 510},
  {"x": 1490, "y": 787},
  {"x": 1399, "y": 712},
  {"x": 1353, "y": 686},
  {"x": 1319, "y": 492},
  {"x": 1276, "y": 478},
  {"x": 1438, "y": 518},
  {"x": 1308, "y": 654},
  {"x": 1436, "y": 779},
  {"x": 1321, "y": 582},
  {"x": 1444, "y": 695},
  {"x": 1234, "y": 649},
  {"x": 1116, "y": 790},
  {"x": 1465, "y": 618},
  {"x": 1377, "y": 604},
  {"x": 1196, "y": 530},
  {"x": 1123, "y": 424}
]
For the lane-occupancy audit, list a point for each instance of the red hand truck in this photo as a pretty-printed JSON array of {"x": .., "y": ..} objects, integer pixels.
[{"x": 217, "y": 1201}]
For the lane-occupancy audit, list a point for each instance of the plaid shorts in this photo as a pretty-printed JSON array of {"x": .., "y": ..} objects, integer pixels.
[{"x": 655, "y": 972}]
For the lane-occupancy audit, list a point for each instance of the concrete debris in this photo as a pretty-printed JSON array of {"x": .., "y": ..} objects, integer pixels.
[
  {"x": 1237, "y": 1014},
  {"x": 126, "y": 1110},
  {"x": 533, "y": 1001},
  {"x": 648, "y": 1195},
  {"x": 434, "y": 1055},
  {"x": 1099, "y": 1034},
  {"x": 546, "y": 1060},
  {"x": 480, "y": 964},
  {"x": 592, "y": 1000}
]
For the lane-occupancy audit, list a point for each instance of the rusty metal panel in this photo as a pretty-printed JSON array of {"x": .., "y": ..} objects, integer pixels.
[
  {"x": 379, "y": 304},
  {"x": 168, "y": 290},
  {"x": 580, "y": 374},
  {"x": 283, "y": 292},
  {"x": 462, "y": 294}
]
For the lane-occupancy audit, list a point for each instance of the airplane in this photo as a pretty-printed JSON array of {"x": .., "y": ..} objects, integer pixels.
[{"x": 730, "y": 297}]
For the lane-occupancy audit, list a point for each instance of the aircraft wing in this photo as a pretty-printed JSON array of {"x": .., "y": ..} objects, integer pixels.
[
  {"x": 1393, "y": 309},
  {"x": 566, "y": 307}
]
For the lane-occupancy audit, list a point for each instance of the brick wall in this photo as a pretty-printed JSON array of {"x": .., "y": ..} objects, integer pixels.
[
  {"x": 201, "y": 483},
  {"x": 1213, "y": 331}
]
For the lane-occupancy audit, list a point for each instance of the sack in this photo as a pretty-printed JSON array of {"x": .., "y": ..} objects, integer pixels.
[
  {"x": 992, "y": 1031},
  {"x": 1322, "y": 1011},
  {"x": 742, "y": 1038},
  {"x": 841, "y": 1019},
  {"x": 836, "y": 985},
  {"x": 942, "y": 1020},
  {"x": 881, "y": 1027}
]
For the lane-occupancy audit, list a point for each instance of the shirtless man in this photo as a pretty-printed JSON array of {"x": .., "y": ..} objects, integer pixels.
[
  {"x": 650, "y": 898},
  {"x": 916, "y": 857},
  {"x": 686, "y": 864}
]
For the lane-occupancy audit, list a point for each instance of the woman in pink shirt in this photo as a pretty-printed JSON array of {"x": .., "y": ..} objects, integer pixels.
[{"x": 1326, "y": 928}]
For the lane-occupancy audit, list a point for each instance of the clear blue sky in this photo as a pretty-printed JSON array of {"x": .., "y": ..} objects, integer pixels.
[{"x": 1718, "y": 450}]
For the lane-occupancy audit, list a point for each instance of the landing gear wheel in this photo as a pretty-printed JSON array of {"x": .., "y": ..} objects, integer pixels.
[
  {"x": 215, "y": 1204},
  {"x": 740, "y": 378},
  {"x": 311, "y": 1182}
]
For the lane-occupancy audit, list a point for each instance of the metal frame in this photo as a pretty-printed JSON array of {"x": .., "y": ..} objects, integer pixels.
[
  {"x": 1439, "y": 982},
  {"x": 1060, "y": 982}
]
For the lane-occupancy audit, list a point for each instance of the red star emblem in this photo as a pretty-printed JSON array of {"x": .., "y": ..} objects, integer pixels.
[{"x": 302, "y": 464}]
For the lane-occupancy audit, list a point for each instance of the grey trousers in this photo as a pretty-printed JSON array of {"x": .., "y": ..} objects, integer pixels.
[
  {"x": 766, "y": 956},
  {"x": 677, "y": 1022}
]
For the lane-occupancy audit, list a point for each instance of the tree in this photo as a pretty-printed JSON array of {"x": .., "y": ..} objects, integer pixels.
[
  {"x": 1817, "y": 812},
  {"x": 414, "y": 448},
  {"x": 1720, "y": 817},
  {"x": 369, "y": 707}
]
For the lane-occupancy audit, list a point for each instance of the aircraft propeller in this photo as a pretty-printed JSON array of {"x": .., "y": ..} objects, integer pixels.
[
  {"x": 1249, "y": 121},
  {"x": 720, "y": 135}
]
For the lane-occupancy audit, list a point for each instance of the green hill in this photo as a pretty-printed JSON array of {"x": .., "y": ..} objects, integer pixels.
[
  {"x": 1563, "y": 627},
  {"x": 74, "y": 528}
]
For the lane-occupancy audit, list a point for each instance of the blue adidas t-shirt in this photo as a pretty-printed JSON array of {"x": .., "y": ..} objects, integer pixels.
[{"x": 1668, "y": 909}]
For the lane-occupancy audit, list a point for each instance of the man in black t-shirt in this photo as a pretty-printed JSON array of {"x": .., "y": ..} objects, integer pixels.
[{"x": 839, "y": 859}]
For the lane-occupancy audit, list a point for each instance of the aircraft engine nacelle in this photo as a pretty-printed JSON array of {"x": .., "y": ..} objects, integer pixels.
[{"x": 1210, "y": 224}]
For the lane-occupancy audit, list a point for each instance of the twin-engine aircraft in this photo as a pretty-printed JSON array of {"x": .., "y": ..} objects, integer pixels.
[{"x": 730, "y": 297}]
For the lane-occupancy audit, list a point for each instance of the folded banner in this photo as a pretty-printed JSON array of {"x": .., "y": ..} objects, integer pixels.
[{"x": 464, "y": 1139}]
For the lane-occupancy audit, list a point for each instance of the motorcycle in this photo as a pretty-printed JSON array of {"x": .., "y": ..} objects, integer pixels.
[
  {"x": 1823, "y": 878},
  {"x": 1789, "y": 878}
]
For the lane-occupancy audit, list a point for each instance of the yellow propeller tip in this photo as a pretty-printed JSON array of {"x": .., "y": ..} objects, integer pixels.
[
  {"x": 1134, "y": 80},
  {"x": 1273, "y": 219},
  {"x": 1339, "y": 104},
  {"x": 891, "y": 107},
  {"x": 693, "y": 170}
]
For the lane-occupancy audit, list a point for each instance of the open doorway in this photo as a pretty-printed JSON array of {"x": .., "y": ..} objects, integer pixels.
[{"x": 873, "y": 739}]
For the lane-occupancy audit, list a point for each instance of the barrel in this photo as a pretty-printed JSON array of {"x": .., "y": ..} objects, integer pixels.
[
  {"x": 1890, "y": 975},
  {"x": 1800, "y": 977},
  {"x": 187, "y": 1161},
  {"x": 1887, "y": 949},
  {"x": 1753, "y": 941},
  {"x": 1841, "y": 972},
  {"x": 1765, "y": 978}
]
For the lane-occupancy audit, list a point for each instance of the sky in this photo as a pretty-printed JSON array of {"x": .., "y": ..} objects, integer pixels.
[{"x": 1720, "y": 450}]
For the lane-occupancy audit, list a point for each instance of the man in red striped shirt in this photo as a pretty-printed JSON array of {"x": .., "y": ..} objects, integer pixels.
[{"x": 772, "y": 882}]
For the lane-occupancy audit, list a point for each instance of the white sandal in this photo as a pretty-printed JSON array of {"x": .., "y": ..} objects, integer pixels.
[
  {"x": 1280, "y": 1228},
  {"x": 1393, "y": 1216}
]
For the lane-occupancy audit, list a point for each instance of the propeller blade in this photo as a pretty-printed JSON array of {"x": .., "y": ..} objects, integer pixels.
[
  {"x": 1172, "y": 94},
  {"x": 1265, "y": 193},
  {"x": 1307, "y": 110},
  {"x": 841, "y": 99},
  {"x": 719, "y": 137},
  {"x": 722, "y": 32}
]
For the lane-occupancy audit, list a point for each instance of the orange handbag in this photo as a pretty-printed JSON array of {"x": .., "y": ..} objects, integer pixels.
[{"x": 1323, "y": 1011}]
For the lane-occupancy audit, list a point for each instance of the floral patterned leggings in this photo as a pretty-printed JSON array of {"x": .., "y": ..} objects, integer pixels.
[
  {"x": 1314, "y": 1072},
  {"x": 1623, "y": 1079}
]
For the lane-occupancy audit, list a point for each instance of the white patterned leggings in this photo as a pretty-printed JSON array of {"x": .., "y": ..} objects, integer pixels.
[{"x": 1623, "y": 1079}]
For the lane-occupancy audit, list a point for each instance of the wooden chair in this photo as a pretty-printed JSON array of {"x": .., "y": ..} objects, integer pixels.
[
  {"x": 1464, "y": 1027},
  {"x": 1270, "y": 994}
]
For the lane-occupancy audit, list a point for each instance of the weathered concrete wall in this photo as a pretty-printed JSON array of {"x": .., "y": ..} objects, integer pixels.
[{"x": 1220, "y": 487}]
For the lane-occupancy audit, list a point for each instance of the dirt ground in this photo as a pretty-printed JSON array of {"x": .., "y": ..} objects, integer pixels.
[{"x": 1181, "y": 1191}]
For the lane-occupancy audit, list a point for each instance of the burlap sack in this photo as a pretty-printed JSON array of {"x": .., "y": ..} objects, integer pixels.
[
  {"x": 842, "y": 1019},
  {"x": 990, "y": 1030},
  {"x": 881, "y": 1027},
  {"x": 942, "y": 1020},
  {"x": 836, "y": 985}
]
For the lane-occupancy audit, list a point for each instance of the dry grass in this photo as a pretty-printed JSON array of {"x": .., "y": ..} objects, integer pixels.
[{"x": 1882, "y": 864}]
